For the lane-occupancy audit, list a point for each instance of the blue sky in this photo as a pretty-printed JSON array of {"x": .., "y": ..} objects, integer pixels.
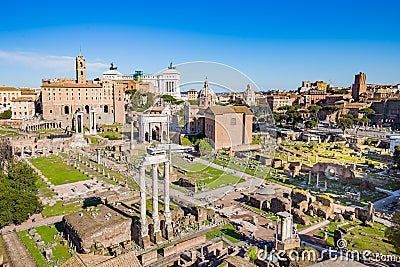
[{"x": 276, "y": 43}]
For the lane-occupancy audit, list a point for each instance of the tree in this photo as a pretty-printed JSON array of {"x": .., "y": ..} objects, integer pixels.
[
  {"x": 345, "y": 123},
  {"x": 396, "y": 157},
  {"x": 314, "y": 109},
  {"x": 291, "y": 116},
  {"x": 204, "y": 147},
  {"x": 18, "y": 193},
  {"x": 312, "y": 123},
  {"x": 185, "y": 141},
  {"x": 367, "y": 111},
  {"x": 6, "y": 153},
  {"x": 392, "y": 233},
  {"x": 330, "y": 110},
  {"x": 6, "y": 114}
]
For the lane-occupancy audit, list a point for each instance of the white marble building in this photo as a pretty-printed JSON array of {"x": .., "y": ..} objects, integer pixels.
[{"x": 165, "y": 83}]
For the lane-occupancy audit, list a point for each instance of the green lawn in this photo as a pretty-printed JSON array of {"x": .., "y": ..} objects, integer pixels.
[
  {"x": 59, "y": 209},
  {"x": 47, "y": 233},
  {"x": 57, "y": 171},
  {"x": 361, "y": 237},
  {"x": 218, "y": 180},
  {"x": 208, "y": 176},
  {"x": 227, "y": 231},
  {"x": 43, "y": 189},
  {"x": 113, "y": 135}
]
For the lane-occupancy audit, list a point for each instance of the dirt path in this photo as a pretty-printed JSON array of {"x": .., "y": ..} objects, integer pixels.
[{"x": 17, "y": 252}]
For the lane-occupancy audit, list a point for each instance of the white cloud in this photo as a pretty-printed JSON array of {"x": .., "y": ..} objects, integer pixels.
[{"x": 57, "y": 63}]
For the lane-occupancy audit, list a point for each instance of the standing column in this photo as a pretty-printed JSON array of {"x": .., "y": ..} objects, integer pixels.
[
  {"x": 318, "y": 180},
  {"x": 156, "y": 218},
  {"x": 167, "y": 212},
  {"x": 132, "y": 146},
  {"x": 98, "y": 156},
  {"x": 144, "y": 228},
  {"x": 283, "y": 229}
]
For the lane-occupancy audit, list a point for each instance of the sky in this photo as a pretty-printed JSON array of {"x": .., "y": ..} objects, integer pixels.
[{"x": 276, "y": 44}]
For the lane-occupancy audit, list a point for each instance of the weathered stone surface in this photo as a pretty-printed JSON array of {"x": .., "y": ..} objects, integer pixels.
[
  {"x": 279, "y": 204},
  {"x": 322, "y": 207},
  {"x": 300, "y": 199},
  {"x": 339, "y": 218},
  {"x": 300, "y": 218}
]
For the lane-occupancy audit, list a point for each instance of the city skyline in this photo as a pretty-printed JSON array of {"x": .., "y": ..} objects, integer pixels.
[{"x": 275, "y": 45}]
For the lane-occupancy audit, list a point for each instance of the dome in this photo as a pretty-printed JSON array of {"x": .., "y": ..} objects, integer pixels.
[{"x": 266, "y": 191}]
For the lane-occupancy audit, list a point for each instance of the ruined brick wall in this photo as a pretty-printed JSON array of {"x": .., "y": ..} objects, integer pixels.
[{"x": 185, "y": 245}]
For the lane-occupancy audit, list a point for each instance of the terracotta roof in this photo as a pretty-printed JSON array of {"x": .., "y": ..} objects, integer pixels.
[
  {"x": 220, "y": 110},
  {"x": 7, "y": 88},
  {"x": 242, "y": 109},
  {"x": 71, "y": 85},
  {"x": 23, "y": 99},
  {"x": 88, "y": 260}
]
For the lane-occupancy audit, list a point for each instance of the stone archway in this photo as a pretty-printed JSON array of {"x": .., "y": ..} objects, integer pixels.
[
  {"x": 155, "y": 133},
  {"x": 164, "y": 136}
]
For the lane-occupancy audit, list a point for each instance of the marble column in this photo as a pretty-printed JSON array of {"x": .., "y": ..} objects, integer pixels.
[
  {"x": 318, "y": 180},
  {"x": 167, "y": 212},
  {"x": 144, "y": 227},
  {"x": 92, "y": 122},
  {"x": 283, "y": 229},
  {"x": 131, "y": 145},
  {"x": 156, "y": 218},
  {"x": 98, "y": 156}
]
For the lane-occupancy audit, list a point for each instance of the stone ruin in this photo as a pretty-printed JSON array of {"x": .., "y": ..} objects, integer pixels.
[{"x": 302, "y": 202}]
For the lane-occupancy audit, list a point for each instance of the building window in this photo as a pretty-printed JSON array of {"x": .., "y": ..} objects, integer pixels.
[
  {"x": 51, "y": 111},
  {"x": 233, "y": 121},
  {"x": 66, "y": 110},
  {"x": 105, "y": 108},
  {"x": 87, "y": 109}
]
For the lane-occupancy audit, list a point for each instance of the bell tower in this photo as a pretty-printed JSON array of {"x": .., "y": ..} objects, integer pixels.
[{"x": 80, "y": 67}]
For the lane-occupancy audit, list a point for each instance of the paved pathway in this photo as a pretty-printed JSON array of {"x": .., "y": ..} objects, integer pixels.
[
  {"x": 17, "y": 252},
  {"x": 39, "y": 221},
  {"x": 314, "y": 227}
]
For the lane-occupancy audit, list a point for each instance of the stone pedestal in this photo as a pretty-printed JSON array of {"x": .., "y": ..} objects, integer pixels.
[{"x": 144, "y": 241}]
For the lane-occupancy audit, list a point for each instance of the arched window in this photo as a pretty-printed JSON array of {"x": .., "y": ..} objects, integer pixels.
[
  {"x": 105, "y": 108},
  {"x": 66, "y": 110},
  {"x": 87, "y": 109}
]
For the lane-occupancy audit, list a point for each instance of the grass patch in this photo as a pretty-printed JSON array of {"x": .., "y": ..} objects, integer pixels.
[
  {"x": 360, "y": 238},
  {"x": 93, "y": 140},
  {"x": 47, "y": 233},
  {"x": 227, "y": 231},
  {"x": 58, "y": 209},
  {"x": 112, "y": 135},
  {"x": 270, "y": 216},
  {"x": 33, "y": 250},
  {"x": 43, "y": 189},
  {"x": 57, "y": 171}
]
